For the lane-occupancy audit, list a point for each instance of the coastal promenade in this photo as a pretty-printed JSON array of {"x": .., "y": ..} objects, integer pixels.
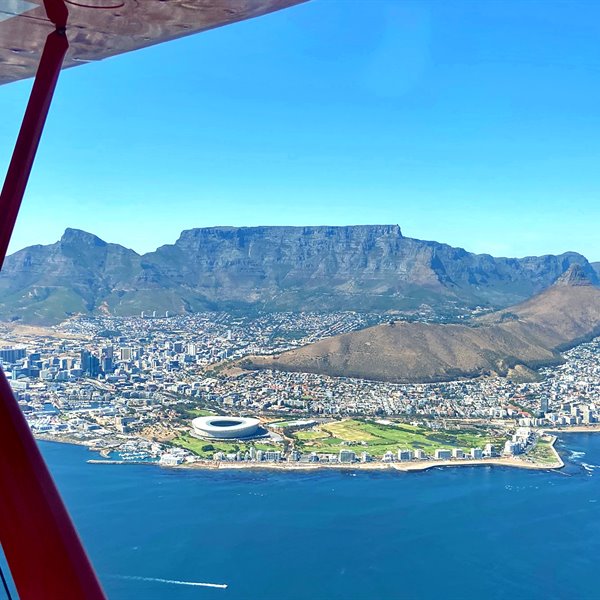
[
  {"x": 413, "y": 466},
  {"x": 573, "y": 429},
  {"x": 408, "y": 466}
]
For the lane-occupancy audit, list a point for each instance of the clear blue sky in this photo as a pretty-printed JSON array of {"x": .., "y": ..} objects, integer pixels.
[{"x": 471, "y": 123}]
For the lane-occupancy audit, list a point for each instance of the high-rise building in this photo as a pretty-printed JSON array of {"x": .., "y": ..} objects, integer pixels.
[
  {"x": 488, "y": 450},
  {"x": 476, "y": 453},
  {"x": 90, "y": 364},
  {"x": 272, "y": 455},
  {"x": 11, "y": 355},
  {"x": 405, "y": 455},
  {"x": 125, "y": 354},
  {"x": 83, "y": 359},
  {"x": 93, "y": 366},
  {"x": 347, "y": 456}
]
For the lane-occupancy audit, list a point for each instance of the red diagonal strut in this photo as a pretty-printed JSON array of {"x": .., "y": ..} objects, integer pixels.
[
  {"x": 40, "y": 543},
  {"x": 29, "y": 136}
]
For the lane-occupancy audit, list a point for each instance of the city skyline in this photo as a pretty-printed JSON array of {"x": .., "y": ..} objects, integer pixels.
[{"x": 419, "y": 114}]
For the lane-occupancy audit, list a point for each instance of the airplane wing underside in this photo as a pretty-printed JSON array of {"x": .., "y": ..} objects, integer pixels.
[{"x": 98, "y": 29}]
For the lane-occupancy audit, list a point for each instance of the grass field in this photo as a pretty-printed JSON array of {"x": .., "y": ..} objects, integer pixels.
[
  {"x": 377, "y": 438},
  {"x": 198, "y": 446},
  {"x": 187, "y": 412},
  {"x": 311, "y": 435},
  {"x": 199, "y": 412},
  {"x": 543, "y": 452}
]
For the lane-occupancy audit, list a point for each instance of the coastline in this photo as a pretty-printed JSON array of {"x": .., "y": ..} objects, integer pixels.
[
  {"x": 60, "y": 440},
  {"x": 574, "y": 429},
  {"x": 407, "y": 467}
]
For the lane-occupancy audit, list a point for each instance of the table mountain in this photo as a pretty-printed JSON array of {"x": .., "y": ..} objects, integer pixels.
[
  {"x": 367, "y": 267},
  {"x": 530, "y": 334}
]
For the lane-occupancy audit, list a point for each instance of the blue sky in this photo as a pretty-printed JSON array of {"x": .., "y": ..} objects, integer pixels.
[{"x": 471, "y": 123}]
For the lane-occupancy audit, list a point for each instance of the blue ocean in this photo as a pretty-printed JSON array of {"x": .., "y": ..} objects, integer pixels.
[{"x": 470, "y": 532}]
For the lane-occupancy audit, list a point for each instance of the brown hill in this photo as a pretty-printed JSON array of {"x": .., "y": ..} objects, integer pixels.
[{"x": 531, "y": 334}]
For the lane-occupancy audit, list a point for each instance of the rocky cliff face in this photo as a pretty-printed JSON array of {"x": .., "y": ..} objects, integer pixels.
[{"x": 371, "y": 267}]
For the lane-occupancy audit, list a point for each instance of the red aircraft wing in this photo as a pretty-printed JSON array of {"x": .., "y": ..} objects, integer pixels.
[{"x": 102, "y": 28}]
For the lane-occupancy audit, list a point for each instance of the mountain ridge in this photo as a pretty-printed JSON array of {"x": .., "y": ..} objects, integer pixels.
[
  {"x": 530, "y": 334},
  {"x": 360, "y": 267}
]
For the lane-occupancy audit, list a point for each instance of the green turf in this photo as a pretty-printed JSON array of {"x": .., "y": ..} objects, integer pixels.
[
  {"x": 200, "y": 412},
  {"x": 542, "y": 452},
  {"x": 311, "y": 435},
  {"x": 197, "y": 446},
  {"x": 376, "y": 438}
]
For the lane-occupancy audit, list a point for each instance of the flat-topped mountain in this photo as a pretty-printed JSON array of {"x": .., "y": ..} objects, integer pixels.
[
  {"x": 531, "y": 334},
  {"x": 366, "y": 267}
]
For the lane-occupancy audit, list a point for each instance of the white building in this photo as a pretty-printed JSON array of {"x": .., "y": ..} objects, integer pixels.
[
  {"x": 512, "y": 448},
  {"x": 476, "y": 453},
  {"x": 388, "y": 456}
]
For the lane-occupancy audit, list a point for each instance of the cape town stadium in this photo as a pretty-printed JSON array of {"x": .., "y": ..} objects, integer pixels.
[{"x": 225, "y": 427}]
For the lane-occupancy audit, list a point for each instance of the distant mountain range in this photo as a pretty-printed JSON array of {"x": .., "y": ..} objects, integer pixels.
[
  {"x": 507, "y": 342},
  {"x": 367, "y": 267}
]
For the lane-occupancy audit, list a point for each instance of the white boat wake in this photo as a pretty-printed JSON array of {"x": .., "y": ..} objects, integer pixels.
[{"x": 222, "y": 586}]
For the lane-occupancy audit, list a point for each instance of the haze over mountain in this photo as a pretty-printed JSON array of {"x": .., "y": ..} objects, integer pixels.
[
  {"x": 525, "y": 336},
  {"x": 370, "y": 267}
]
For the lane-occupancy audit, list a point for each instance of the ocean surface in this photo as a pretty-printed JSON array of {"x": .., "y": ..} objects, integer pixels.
[{"x": 470, "y": 532}]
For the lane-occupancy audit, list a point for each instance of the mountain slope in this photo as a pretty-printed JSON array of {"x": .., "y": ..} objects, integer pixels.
[
  {"x": 531, "y": 333},
  {"x": 370, "y": 267}
]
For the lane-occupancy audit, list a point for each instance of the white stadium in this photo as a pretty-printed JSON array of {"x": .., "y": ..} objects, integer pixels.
[{"x": 225, "y": 427}]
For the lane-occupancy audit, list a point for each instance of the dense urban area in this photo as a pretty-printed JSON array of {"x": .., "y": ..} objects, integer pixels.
[{"x": 129, "y": 389}]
